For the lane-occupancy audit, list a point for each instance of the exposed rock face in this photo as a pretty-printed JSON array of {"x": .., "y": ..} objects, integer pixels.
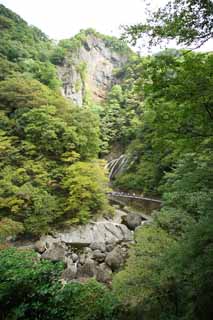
[
  {"x": 99, "y": 232},
  {"x": 93, "y": 250},
  {"x": 89, "y": 69}
]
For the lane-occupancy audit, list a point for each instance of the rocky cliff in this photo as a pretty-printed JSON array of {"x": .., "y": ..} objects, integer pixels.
[{"x": 88, "y": 69}]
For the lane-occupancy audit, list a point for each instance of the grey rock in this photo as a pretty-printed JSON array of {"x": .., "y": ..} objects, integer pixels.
[
  {"x": 132, "y": 220},
  {"x": 69, "y": 273},
  {"x": 104, "y": 273},
  {"x": 98, "y": 232},
  {"x": 98, "y": 255},
  {"x": 110, "y": 246},
  {"x": 69, "y": 262},
  {"x": 82, "y": 258},
  {"x": 114, "y": 259},
  {"x": 74, "y": 257},
  {"x": 88, "y": 269},
  {"x": 49, "y": 240},
  {"x": 88, "y": 251},
  {"x": 98, "y": 246},
  {"x": 55, "y": 253},
  {"x": 40, "y": 246},
  {"x": 100, "y": 61}
]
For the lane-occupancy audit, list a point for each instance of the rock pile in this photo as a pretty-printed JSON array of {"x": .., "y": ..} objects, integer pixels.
[{"x": 94, "y": 250}]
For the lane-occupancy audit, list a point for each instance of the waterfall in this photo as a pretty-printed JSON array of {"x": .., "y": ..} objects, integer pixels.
[{"x": 116, "y": 166}]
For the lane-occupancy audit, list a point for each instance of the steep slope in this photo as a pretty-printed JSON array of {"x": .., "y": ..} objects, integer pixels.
[
  {"x": 25, "y": 50},
  {"x": 48, "y": 146},
  {"x": 87, "y": 70}
]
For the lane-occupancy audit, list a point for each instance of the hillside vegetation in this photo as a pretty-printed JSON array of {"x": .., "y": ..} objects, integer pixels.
[{"x": 159, "y": 113}]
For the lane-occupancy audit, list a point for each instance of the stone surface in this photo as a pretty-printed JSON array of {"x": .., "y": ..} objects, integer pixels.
[
  {"x": 98, "y": 255},
  {"x": 88, "y": 269},
  {"x": 93, "y": 250},
  {"x": 74, "y": 257},
  {"x": 55, "y": 253},
  {"x": 110, "y": 246},
  {"x": 82, "y": 258},
  {"x": 114, "y": 259},
  {"x": 98, "y": 246},
  {"x": 103, "y": 273},
  {"x": 40, "y": 246},
  {"x": 69, "y": 273},
  {"x": 99, "y": 232},
  {"x": 99, "y": 61},
  {"x": 132, "y": 220}
]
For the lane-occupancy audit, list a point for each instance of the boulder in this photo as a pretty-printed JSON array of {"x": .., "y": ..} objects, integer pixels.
[
  {"x": 56, "y": 252},
  {"x": 114, "y": 259},
  {"x": 132, "y": 220},
  {"x": 104, "y": 273},
  {"x": 69, "y": 273},
  {"x": 82, "y": 258},
  {"x": 98, "y": 246},
  {"x": 74, "y": 257},
  {"x": 88, "y": 269},
  {"x": 110, "y": 246},
  {"x": 98, "y": 255},
  {"x": 97, "y": 232},
  {"x": 40, "y": 246}
]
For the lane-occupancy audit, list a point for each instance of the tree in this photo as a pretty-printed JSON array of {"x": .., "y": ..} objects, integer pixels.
[
  {"x": 175, "y": 117},
  {"x": 141, "y": 283},
  {"x": 86, "y": 184},
  {"x": 31, "y": 289},
  {"x": 27, "y": 284},
  {"x": 187, "y": 21},
  {"x": 9, "y": 228}
]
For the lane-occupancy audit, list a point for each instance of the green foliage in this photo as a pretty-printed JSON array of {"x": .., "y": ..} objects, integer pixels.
[
  {"x": 119, "y": 114},
  {"x": 176, "y": 274},
  {"x": 9, "y": 227},
  {"x": 67, "y": 47},
  {"x": 41, "y": 136},
  {"x": 45, "y": 72},
  {"x": 87, "y": 187},
  {"x": 31, "y": 289},
  {"x": 186, "y": 21},
  {"x": 141, "y": 283},
  {"x": 174, "y": 117},
  {"x": 26, "y": 284},
  {"x": 19, "y": 92},
  {"x": 190, "y": 185},
  {"x": 25, "y": 49}
]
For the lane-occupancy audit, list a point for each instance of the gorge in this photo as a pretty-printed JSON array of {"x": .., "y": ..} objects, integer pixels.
[{"x": 106, "y": 172}]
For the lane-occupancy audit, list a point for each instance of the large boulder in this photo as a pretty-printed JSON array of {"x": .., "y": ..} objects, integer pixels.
[
  {"x": 97, "y": 232},
  {"x": 98, "y": 246},
  {"x": 104, "y": 273},
  {"x": 70, "y": 272},
  {"x": 40, "y": 246},
  {"x": 115, "y": 259},
  {"x": 87, "y": 270},
  {"x": 132, "y": 220},
  {"x": 98, "y": 255},
  {"x": 56, "y": 252}
]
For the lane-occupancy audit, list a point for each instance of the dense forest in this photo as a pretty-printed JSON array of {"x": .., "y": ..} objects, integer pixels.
[{"x": 159, "y": 114}]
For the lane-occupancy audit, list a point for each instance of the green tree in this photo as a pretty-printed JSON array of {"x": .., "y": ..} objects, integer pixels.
[
  {"x": 141, "y": 282},
  {"x": 86, "y": 184},
  {"x": 31, "y": 289},
  {"x": 187, "y": 21}
]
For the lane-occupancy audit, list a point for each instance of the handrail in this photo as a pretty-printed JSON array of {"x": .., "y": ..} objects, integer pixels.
[{"x": 132, "y": 196}]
